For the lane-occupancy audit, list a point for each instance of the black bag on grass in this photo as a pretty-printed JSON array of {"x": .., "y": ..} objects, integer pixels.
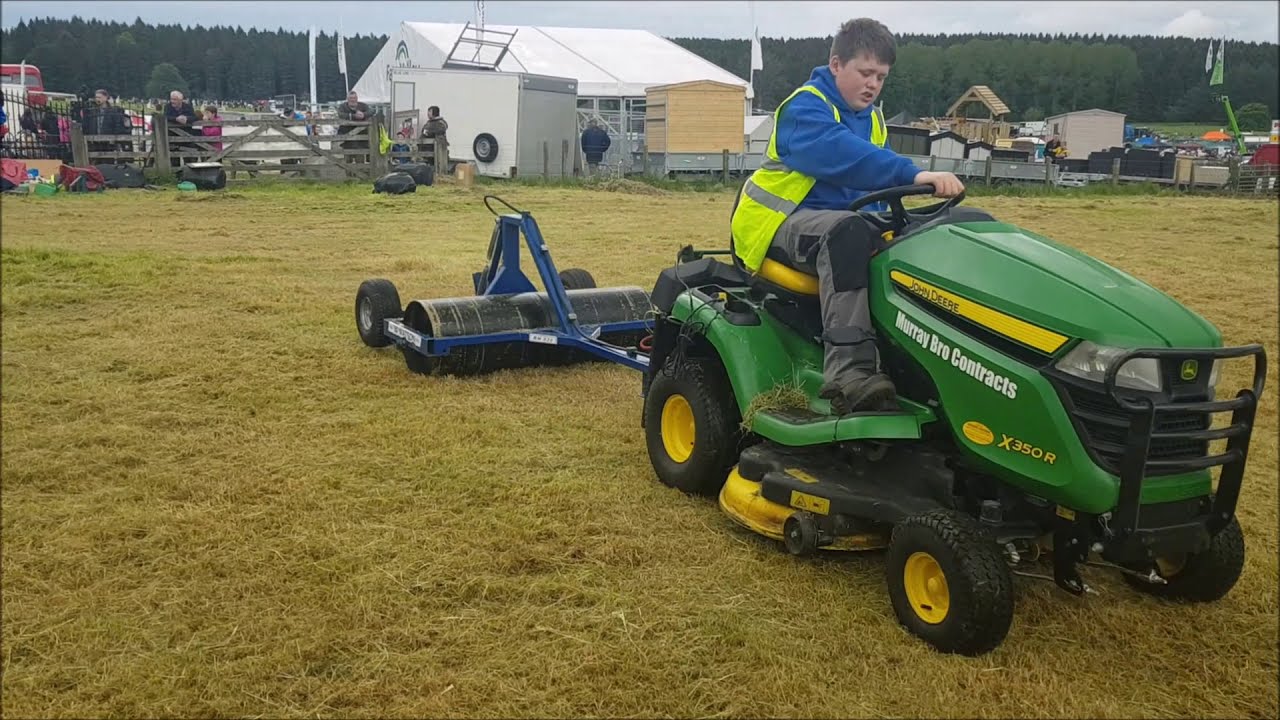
[
  {"x": 395, "y": 183},
  {"x": 422, "y": 173},
  {"x": 122, "y": 176}
]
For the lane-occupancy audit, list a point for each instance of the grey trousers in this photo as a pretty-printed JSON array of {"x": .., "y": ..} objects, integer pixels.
[{"x": 835, "y": 245}]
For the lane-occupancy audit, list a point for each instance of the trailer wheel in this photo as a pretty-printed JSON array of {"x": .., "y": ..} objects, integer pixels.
[
  {"x": 577, "y": 279},
  {"x": 376, "y": 300},
  {"x": 485, "y": 147}
]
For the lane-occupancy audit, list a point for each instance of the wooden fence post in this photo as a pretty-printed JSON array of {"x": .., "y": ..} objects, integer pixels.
[
  {"x": 546, "y": 162},
  {"x": 564, "y": 159},
  {"x": 724, "y": 167},
  {"x": 79, "y": 148},
  {"x": 1191, "y": 179},
  {"x": 442, "y": 155},
  {"x": 1048, "y": 171},
  {"x": 1233, "y": 174},
  {"x": 644, "y": 159},
  {"x": 1115, "y": 172},
  {"x": 986, "y": 173},
  {"x": 160, "y": 138}
]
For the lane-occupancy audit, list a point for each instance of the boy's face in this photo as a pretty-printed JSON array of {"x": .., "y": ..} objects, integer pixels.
[{"x": 860, "y": 80}]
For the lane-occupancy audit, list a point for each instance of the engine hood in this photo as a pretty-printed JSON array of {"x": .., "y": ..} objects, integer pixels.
[{"x": 1046, "y": 283}]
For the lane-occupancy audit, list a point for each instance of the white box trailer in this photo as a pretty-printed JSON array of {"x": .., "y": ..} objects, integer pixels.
[{"x": 508, "y": 124}]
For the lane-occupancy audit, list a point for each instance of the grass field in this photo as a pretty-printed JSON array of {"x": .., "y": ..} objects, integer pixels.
[{"x": 217, "y": 502}]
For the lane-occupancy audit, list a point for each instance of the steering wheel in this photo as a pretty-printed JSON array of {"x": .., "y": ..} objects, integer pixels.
[{"x": 900, "y": 217}]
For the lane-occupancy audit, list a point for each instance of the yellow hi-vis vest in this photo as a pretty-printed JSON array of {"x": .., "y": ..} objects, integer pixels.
[{"x": 774, "y": 191}]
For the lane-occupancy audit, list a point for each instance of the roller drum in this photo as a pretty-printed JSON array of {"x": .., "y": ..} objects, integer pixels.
[{"x": 484, "y": 315}]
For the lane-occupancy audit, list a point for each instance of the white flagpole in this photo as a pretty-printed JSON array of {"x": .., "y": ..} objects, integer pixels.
[
  {"x": 342, "y": 58},
  {"x": 311, "y": 40}
]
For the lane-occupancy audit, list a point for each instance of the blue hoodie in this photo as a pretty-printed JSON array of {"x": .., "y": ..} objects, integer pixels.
[{"x": 840, "y": 156}]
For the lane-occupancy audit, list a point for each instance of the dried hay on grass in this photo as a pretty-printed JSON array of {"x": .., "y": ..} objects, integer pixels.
[
  {"x": 218, "y": 502},
  {"x": 623, "y": 185}
]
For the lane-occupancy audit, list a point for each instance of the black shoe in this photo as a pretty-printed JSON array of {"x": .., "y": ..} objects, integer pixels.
[{"x": 862, "y": 395}]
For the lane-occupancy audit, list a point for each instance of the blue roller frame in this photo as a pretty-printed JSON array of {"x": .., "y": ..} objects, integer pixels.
[{"x": 504, "y": 277}]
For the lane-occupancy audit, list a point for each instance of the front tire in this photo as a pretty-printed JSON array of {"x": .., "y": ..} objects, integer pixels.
[
  {"x": 376, "y": 300},
  {"x": 691, "y": 425},
  {"x": 1205, "y": 576},
  {"x": 949, "y": 583}
]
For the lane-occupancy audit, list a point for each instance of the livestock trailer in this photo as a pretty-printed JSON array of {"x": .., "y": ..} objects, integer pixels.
[{"x": 508, "y": 124}]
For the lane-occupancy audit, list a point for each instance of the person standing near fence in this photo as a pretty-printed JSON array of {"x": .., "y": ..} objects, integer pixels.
[
  {"x": 436, "y": 128},
  {"x": 595, "y": 143},
  {"x": 181, "y": 115},
  {"x": 353, "y": 111},
  {"x": 105, "y": 119},
  {"x": 212, "y": 126}
]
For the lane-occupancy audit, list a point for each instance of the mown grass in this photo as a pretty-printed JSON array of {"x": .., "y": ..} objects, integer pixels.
[{"x": 217, "y": 502}]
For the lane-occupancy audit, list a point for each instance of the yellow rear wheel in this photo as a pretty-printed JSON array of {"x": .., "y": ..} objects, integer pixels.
[
  {"x": 678, "y": 428},
  {"x": 691, "y": 425}
]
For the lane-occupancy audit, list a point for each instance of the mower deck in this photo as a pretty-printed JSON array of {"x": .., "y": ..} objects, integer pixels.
[{"x": 853, "y": 496}]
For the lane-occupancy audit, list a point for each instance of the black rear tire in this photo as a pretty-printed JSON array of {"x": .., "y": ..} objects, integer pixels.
[
  {"x": 1205, "y": 576},
  {"x": 376, "y": 300},
  {"x": 970, "y": 611},
  {"x": 697, "y": 391},
  {"x": 577, "y": 279}
]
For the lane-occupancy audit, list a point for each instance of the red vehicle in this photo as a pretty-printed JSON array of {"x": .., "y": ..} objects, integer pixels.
[
  {"x": 26, "y": 76},
  {"x": 1268, "y": 154}
]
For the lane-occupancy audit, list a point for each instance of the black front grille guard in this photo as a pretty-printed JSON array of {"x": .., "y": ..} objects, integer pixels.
[{"x": 1135, "y": 463}]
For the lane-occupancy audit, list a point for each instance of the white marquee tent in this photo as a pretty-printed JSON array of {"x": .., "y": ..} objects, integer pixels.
[{"x": 607, "y": 63}]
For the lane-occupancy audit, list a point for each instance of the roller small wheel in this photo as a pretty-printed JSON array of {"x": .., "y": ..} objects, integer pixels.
[
  {"x": 576, "y": 279},
  {"x": 800, "y": 534},
  {"x": 376, "y": 300},
  {"x": 1205, "y": 576},
  {"x": 691, "y": 425},
  {"x": 949, "y": 582}
]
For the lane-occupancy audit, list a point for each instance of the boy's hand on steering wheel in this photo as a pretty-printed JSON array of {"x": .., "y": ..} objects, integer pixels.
[{"x": 945, "y": 184}]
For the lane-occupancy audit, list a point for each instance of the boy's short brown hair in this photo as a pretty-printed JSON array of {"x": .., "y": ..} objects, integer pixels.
[{"x": 864, "y": 35}]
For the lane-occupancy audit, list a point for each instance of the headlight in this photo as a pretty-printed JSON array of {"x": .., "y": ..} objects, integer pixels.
[{"x": 1090, "y": 361}]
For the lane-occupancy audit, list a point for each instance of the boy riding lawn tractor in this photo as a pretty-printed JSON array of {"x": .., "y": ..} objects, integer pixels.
[{"x": 957, "y": 390}]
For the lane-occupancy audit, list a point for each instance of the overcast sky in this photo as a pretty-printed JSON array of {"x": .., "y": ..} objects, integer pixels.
[{"x": 1250, "y": 20}]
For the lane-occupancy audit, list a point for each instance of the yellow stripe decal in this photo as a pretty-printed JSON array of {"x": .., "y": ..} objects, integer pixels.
[{"x": 994, "y": 320}]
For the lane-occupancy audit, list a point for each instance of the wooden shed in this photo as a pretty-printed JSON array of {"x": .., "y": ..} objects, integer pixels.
[
  {"x": 907, "y": 140},
  {"x": 700, "y": 116},
  {"x": 947, "y": 145}
]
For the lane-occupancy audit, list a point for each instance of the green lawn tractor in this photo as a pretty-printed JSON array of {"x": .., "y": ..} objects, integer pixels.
[{"x": 1048, "y": 404}]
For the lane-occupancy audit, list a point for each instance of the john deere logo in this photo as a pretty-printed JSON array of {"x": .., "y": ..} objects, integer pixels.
[
  {"x": 1189, "y": 369},
  {"x": 978, "y": 433}
]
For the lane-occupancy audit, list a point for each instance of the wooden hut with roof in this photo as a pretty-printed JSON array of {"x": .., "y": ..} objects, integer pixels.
[{"x": 976, "y": 128}]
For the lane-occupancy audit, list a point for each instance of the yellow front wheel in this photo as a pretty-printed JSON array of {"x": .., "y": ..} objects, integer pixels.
[
  {"x": 691, "y": 425},
  {"x": 926, "y": 587},
  {"x": 949, "y": 582}
]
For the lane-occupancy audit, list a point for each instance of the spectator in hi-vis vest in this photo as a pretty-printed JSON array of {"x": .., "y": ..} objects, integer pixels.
[{"x": 829, "y": 139}]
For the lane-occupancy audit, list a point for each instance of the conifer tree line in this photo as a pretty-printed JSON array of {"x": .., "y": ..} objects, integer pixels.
[{"x": 1152, "y": 79}]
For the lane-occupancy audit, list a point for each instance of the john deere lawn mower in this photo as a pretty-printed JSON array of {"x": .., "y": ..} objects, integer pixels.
[{"x": 1048, "y": 403}]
